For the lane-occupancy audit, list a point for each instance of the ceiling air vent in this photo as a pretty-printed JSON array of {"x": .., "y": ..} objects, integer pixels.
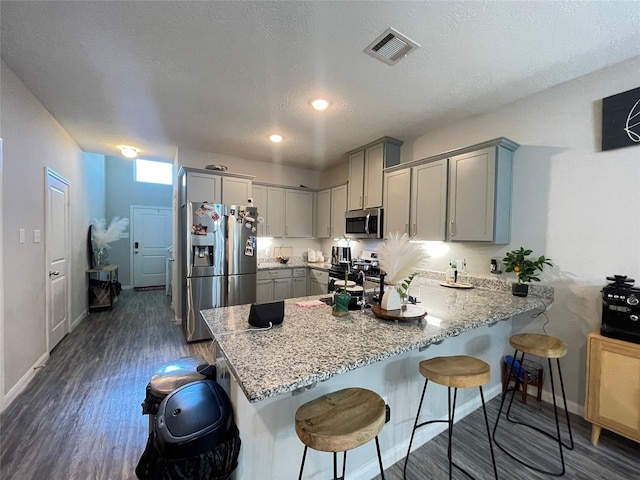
[{"x": 391, "y": 47}]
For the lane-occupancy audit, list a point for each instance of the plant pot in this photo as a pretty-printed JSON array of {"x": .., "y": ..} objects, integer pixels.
[
  {"x": 341, "y": 301},
  {"x": 391, "y": 299},
  {"x": 520, "y": 289}
]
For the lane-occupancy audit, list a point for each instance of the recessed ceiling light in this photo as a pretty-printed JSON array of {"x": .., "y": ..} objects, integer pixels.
[
  {"x": 129, "y": 152},
  {"x": 275, "y": 138},
  {"x": 320, "y": 104}
]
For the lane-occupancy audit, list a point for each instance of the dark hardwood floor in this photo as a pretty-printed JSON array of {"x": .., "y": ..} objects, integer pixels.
[{"x": 80, "y": 417}]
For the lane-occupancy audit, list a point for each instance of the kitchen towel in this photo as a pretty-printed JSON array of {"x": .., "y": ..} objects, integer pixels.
[{"x": 310, "y": 303}]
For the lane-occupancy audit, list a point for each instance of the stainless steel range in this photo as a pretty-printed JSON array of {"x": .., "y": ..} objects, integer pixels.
[
  {"x": 621, "y": 309},
  {"x": 364, "y": 272}
]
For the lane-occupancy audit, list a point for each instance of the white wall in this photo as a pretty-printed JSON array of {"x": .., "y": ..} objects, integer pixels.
[
  {"x": 264, "y": 172},
  {"x": 571, "y": 201},
  {"x": 33, "y": 140}
]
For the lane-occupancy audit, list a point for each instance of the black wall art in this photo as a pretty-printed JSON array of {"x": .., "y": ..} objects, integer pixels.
[{"x": 621, "y": 120}]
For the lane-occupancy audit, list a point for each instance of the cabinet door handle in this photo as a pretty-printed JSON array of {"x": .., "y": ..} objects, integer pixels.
[
  {"x": 286, "y": 231},
  {"x": 406, "y": 228},
  {"x": 415, "y": 230},
  {"x": 451, "y": 234},
  {"x": 360, "y": 201}
]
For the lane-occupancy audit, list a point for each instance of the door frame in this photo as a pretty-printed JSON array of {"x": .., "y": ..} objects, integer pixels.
[
  {"x": 132, "y": 231},
  {"x": 51, "y": 173},
  {"x": 2, "y": 392}
]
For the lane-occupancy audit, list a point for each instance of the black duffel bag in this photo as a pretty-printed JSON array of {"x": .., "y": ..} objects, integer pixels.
[{"x": 194, "y": 436}]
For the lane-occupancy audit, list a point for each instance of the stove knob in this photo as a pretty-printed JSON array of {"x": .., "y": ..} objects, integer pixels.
[
  {"x": 633, "y": 300},
  {"x": 634, "y": 318}
]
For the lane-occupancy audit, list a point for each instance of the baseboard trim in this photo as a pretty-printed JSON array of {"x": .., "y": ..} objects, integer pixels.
[
  {"x": 78, "y": 319},
  {"x": 24, "y": 381}
]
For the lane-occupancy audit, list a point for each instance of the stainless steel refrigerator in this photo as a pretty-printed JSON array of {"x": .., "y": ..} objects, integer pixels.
[{"x": 219, "y": 261}]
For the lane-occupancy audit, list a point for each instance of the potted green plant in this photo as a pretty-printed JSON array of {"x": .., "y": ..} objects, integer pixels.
[{"x": 526, "y": 269}]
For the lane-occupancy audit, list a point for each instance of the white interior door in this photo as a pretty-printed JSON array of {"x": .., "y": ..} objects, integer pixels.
[
  {"x": 57, "y": 248},
  {"x": 151, "y": 238}
]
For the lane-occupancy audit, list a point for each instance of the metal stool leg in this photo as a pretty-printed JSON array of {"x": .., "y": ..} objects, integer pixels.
[
  {"x": 450, "y": 428},
  {"x": 558, "y": 436},
  {"x": 413, "y": 432},
  {"x": 304, "y": 456},
  {"x": 486, "y": 422},
  {"x": 379, "y": 458}
]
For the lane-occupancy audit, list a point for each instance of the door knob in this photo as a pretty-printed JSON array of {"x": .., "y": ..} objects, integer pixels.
[{"x": 53, "y": 273}]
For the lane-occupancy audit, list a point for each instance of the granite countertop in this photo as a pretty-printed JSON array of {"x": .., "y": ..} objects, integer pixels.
[
  {"x": 312, "y": 345},
  {"x": 293, "y": 263}
]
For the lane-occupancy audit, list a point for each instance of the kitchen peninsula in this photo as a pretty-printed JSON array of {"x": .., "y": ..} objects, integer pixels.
[{"x": 312, "y": 353}]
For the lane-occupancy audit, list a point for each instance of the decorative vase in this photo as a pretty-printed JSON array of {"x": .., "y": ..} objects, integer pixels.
[
  {"x": 341, "y": 301},
  {"x": 520, "y": 289},
  {"x": 391, "y": 299},
  {"x": 100, "y": 258}
]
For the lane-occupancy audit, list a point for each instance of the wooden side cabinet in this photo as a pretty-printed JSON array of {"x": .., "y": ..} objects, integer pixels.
[
  {"x": 103, "y": 287},
  {"x": 613, "y": 386}
]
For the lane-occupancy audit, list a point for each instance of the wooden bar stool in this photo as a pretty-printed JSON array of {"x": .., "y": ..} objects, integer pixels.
[
  {"x": 453, "y": 372},
  {"x": 341, "y": 421},
  {"x": 548, "y": 347}
]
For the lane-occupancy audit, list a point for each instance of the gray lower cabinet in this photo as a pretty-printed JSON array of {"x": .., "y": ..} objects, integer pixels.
[
  {"x": 318, "y": 282},
  {"x": 299, "y": 286},
  {"x": 273, "y": 285}
]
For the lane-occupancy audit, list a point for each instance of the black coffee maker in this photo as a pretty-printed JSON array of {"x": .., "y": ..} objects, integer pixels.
[
  {"x": 341, "y": 257},
  {"x": 621, "y": 309}
]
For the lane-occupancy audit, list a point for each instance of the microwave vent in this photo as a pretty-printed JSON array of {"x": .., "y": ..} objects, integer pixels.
[{"x": 391, "y": 47}]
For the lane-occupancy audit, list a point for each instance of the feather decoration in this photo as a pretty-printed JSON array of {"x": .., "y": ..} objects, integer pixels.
[
  {"x": 399, "y": 258},
  {"x": 102, "y": 236}
]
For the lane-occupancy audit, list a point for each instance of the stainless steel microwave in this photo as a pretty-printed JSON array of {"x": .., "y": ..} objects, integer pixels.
[{"x": 364, "y": 223}]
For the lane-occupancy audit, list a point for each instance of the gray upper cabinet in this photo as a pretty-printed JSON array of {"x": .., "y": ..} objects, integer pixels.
[
  {"x": 338, "y": 208},
  {"x": 356, "y": 180},
  {"x": 197, "y": 185},
  {"x": 323, "y": 214},
  {"x": 259, "y": 193},
  {"x": 298, "y": 213},
  {"x": 429, "y": 200},
  {"x": 479, "y": 206},
  {"x": 201, "y": 187},
  {"x": 236, "y": 190},
  {"x": 274, "y": 219},
  {"x": 415, "y": 201},
  {"x": 332, "y": 203},
  {"x": 366, "y": 172},
  {"x": 283, "y": 212},
  {"x": 397, "y": 188}
]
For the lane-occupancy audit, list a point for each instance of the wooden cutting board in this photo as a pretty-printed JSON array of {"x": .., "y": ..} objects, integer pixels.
[{"x": 412, "y": 312}]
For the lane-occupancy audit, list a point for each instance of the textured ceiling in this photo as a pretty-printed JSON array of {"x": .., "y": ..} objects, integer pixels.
[{"x": 221, "y": 76}]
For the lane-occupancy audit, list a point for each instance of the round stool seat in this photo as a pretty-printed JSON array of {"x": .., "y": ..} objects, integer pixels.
[
  {"x": 341, "y": 421},
  {"x": 539, "y": 345},
  {"x": 175, "y": 374},
  {"x": 458, "y": 371}
]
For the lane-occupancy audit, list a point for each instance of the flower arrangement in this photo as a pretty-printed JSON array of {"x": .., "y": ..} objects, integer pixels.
[
  {"x": 516, "y": 261},
  {"x": 101, "y": 236},
  {"x": 399, "y": 259}
]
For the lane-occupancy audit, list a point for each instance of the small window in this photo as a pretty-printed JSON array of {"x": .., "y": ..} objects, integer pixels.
[{"x": 154, "y": 172}]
